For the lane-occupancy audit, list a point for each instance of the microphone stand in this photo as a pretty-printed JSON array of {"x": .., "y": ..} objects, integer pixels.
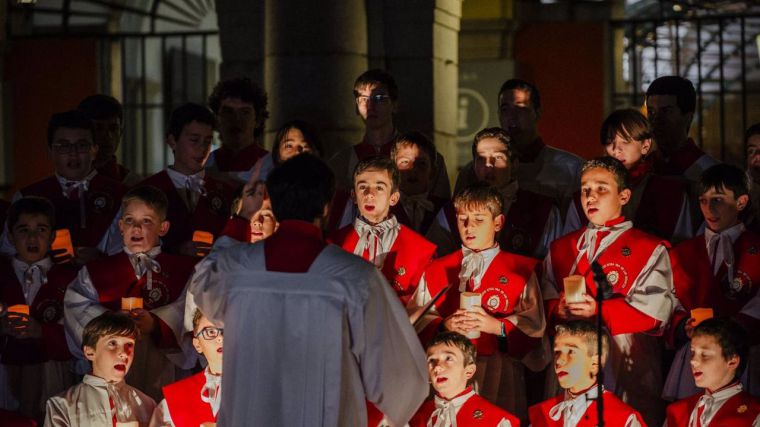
[{"x": 602, "y": 289}]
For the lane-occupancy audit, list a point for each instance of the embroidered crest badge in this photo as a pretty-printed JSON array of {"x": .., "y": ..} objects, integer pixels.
[
  {"x": 626, "y": 251},
  {"x": 503, "y": 280},
  {"x": 477, "y": 414},
  {"x": 401, "y": 271},
  {"x": 741, "y": 409}
]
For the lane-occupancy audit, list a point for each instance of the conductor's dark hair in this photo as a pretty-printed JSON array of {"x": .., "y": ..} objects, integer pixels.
[{"x": 300, "y": 188}]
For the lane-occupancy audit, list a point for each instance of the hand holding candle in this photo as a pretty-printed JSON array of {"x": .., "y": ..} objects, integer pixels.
[{"x": 469, "y": 301}]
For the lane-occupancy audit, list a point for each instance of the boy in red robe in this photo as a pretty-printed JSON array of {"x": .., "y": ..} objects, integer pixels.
[
  {"x": 576, "y": 363},
  {"x": 721, "y": 269},
  {"x": 507, "y": 323},
  {"x": 34, "y": 356},
  {"x": 638, "y": 269},
  {"x": 400, "y": 253},
  {"x": 142, "y": 270},
  {"x": 451, "y": 366},
  {"x": 195, "y": 400},
  {"x": 719, "y": 351}
]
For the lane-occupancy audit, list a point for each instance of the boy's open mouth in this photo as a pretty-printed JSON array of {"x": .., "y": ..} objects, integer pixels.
[{"x": 120, "y": 367}]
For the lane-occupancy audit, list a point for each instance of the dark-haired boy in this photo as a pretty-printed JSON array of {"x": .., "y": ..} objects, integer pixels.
[
  {"x": 86, "y": 203},
  {"x": 576, "y": 364},
  {"x": 240, "y": 106},
  {"x": 451, "y": 366},
  {"x": 376, "y": 95},
  {"x": 638, "y": 269},
  {"x": 376, "y": 235},
  {"x": 509, "y": 312},
  {"x": 335, "y": 328},
  {"x": 721, "y": 268},
  {"x": 35, "y": 356},
  {"x": 107, "y": 116},
  {"x": 197, "y": 201},
  {"x": 142, "y": 270},
  {"x": 718, "y": 355},
  {"x": 104, "y": 398}
]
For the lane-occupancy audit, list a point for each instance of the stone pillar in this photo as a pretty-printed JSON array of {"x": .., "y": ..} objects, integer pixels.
[
  {"x": 241, "y": 38},
  {"x": 314, "y": 52},
  {"x": 422, "y": 52}
]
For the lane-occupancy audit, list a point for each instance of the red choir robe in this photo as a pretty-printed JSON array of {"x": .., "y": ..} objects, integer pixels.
[
  {"x": 475, "y": 411},
  {"x": 740, "y": 410},
  {"x": 405, "y": 262},
  {"x": 101, "y": 203},
  {"x": 616, "y": 413},
  {"x": 210, "y": 214},
  {"x": 183, "y": 399},
  {"x": 638, "y": 269}
]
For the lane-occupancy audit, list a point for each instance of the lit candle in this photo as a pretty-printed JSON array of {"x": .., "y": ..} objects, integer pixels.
[
  {"x": 19, "y": 309},
  {"x": 469, "y": 301},
  {"x": 701, "y": 314},
  {"x": 575, "y": 288},
  {"x": 129, "y": 303}
]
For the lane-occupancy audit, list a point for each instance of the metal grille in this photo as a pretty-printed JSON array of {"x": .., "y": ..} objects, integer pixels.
[{"x": 718, "y": 53}]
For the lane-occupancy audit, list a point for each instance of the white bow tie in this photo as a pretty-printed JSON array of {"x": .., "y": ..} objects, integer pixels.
[
  {"x": 30, "y": 273},
  {"x": 211, "y": 392},
  {"x": 377, "y": 239},
  {"x": 144, "y": 264},
  {"x": 473, "y": 264},
  {"x": 196, "y": 184}
]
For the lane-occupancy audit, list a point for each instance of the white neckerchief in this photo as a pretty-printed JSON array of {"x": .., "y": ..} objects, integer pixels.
[
  {"x": 474, "y": 266},
  {"x": 69, "y": 186},
  {"x": 31, "y": 277},
  {"x": 378, "y": 239},
  {"x": 416, "y": 207},
  {"x": 445, "y": 412},
  {"x": 191, "y": 187},
  {"x": 586, "y": 245},
  {"x": 712, "y": 403},
  {"x": 144, "y": 263},
  {"x": 721, "y": 246},
  {"x": 571, "y": 409},
  {"x": 211, "y": 392}
]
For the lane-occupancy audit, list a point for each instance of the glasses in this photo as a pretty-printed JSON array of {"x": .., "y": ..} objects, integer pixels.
[
  {"x": 378, "y": 99},
  {"x": 67, "y": 148},
  {"x": 210, "y": 333}
]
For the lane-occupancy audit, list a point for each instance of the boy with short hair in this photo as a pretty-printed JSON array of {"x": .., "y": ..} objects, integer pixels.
[
  {"x": 396, "y": 250},
  {"x": 509, "y": 318},
  {"x": 451, "y": 367},
  {"x": 419, "y": 208},
  {"x": 723, "y": 266},
  {"x": 240, "y": 107},
  {"x": 103, "y": 398},
  {"x": 718, "y": 355},
  {"x": 142, "y": 270},
  {"x": 196, "y": 400},
  {"x": 638, "y": 269},
  {"x": 107, "y": 115},
  {"x": 34, "y": 356},
  {"x": 197, "y": 201},
  {"x": 86, "y": 203},
  {"x": 576, "y": 364},
  {"x": 532, "y": 220}
]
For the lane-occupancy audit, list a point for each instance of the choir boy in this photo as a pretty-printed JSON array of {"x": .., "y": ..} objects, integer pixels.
[
  {"x": 720, "y": 268},
  {"x": 142, "y": 270},
  {"x": 104, "y": 398},
  {"x": 376, "y": 235},
  {"x": 451, "y": 367},
  {"x": 576, "y": 364},
  {"x": 195, "y": 400},
  {"x": 718, "y": 355},
  {"x": 504, "y": 317},
  {"x": 638, "y": 271},
  {"x": 35, "y": 357}
]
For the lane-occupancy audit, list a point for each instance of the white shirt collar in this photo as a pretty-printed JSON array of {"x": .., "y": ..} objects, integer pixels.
[
  {"x": 38, "y": 278},
  {"x": 179, "y": 179},
  {"x": 712, "y": 403}
]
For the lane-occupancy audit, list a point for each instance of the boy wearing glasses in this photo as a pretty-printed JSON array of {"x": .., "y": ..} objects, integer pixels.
[
  {"x": 85, "y": 202},
  {"x": 140, "y": 271},
  {"x": 197, "y": 201},
  {"x": 195, "y": 400}
]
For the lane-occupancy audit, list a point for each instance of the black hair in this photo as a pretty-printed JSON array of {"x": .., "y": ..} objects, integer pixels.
[
  {"x": 497, "y": 133},
  {"x": 629, "y": 123},
  {"x": 309, "y": 135},
  {"x": 535, "y": 96},
  {"x": 300, "y": 188},
  {"x": 731, "y": 337},
  {"x": 31, "y": 205},
  {"x": 109, "y": 323},
  {"x": 73, "y": 119},
  {"x": 377, "y": 77},
  {"x": 751, "y": 131},
  {"x": 245, "y": 90},
  {"x": 101, "y": 107},
  {"x": 722, "y": 176},
  {"x": 677, "y": 86},
  {"x": 186, "y": 114}
]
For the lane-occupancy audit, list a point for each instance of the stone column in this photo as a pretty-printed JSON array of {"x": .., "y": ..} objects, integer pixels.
[
  {"x": 314, "y": 52},
  {"x": 421, "y": 42},
  {"x": 241, "y": 38}
]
